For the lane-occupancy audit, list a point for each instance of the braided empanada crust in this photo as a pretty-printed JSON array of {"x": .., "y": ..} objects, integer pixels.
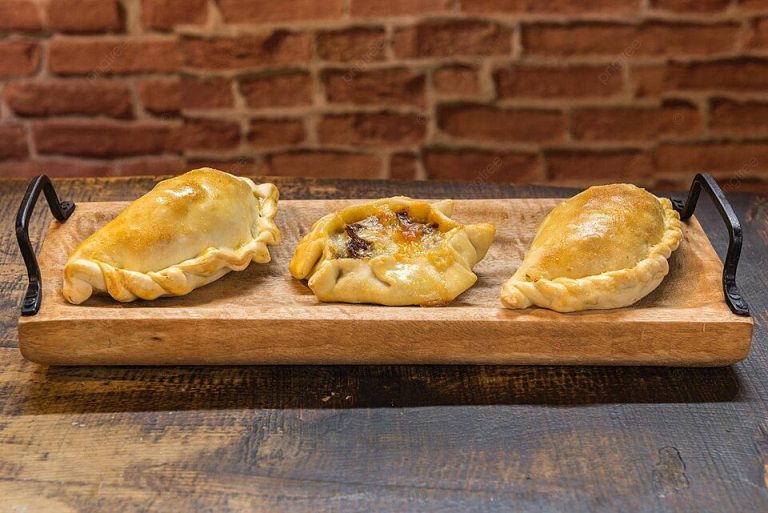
[{"x": 187, "y": 232}]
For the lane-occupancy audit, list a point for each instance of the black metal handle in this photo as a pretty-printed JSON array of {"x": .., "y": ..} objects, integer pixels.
[
  {"x": 705, "y": 181},
  {"x": 61, "y": 211}
]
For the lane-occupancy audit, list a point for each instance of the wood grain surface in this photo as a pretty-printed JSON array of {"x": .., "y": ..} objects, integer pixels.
[
  {"x": 382, "y": 438},
  {"x": 264, "y": 316}
]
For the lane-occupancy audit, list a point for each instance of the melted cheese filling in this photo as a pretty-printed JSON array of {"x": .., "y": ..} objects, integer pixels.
[{"x": 386, "y": 233}]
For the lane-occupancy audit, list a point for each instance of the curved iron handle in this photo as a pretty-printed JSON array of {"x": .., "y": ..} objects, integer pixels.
[
  {"x": 61, "y": 211},
  {"x": 705, "y": 181}
]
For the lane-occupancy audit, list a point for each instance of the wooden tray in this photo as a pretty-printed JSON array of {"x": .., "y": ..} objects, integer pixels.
[{"x": 263, "y": 316}]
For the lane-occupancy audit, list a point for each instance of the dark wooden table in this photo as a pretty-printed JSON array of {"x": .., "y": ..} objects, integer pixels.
[{"x": 392, "y": 438}]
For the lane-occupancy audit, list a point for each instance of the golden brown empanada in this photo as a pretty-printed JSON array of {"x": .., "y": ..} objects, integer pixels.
[
  {"x": 394, "y": 251},
  {"x": 185, "y": 233},
  {"x": 606, "y": 247}
]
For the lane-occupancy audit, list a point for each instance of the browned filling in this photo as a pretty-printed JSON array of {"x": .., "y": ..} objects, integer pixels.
[
  {"x": 386, "y": 233},
  {"x": 357, "y": 247}
]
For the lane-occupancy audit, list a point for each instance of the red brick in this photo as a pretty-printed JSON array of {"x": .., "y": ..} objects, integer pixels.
[
  {"x": 366, "y": 8},
  {"x": 649, "y": 80},
  {"x": 101, "y": 56},
  {"x": 13, "y": 142},
  {"x": 277, "y": 90},
  {"x": 270, "y": 133},
  {"x": 160, "y": 95},
  {"x": 211, "y": 134},
  {"x": 18, "y": 169},
  {"x": 100, "y": 139},
  {"x": 581, "y": 167},
  {"x": 84, "y": 16},
  {"x": 169, "y": 96},
  {"x": 152, "y": 166},
  {"x": 63, "y": 97},
  {"x": 735, "y": 117},
  {"x": 403, "y": 166},
  {"x": 481, "y": 123},
  {"x": 372, "y": 129},
  {"x": 166, "y": 14},
  {"x": 758, "y": 37},
  {"x": 365, "y": 44},
  {"x": 325, "y": 164},
  {"x": 375, "y": 87},
  {"x": 242, "y": 166},
  {"x": 457, "y": 80},
  {"x": 675, "y": 119},
  {"x": 19, "y": 15},
  {"x": 726, "y": 157},
  {"x": 482, "y": 166},
  {"x": 741, "y": 74},
  {"x": 744, "y": 184},
  {"x": 436, "y": 38},
  {"x": 279, "y": 47},
  {"x": 55, "y": 168},
  {"x": 206, "y": 93},
  {"x": 694, "y": 6},
  {"x": 753, "y": 4},
  {"x": 18, "y": 58},
  {"x": 531, "y": 81},
  {"x": 268, "y": 11},
  {"x": 741, "y": 183},
  {"x": 555, "y": 7},
  {"x": 627, "y": 41},
  {"x": 671, "y": 184}
]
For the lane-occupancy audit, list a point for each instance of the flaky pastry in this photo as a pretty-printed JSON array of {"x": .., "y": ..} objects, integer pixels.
[
  {"x": 606, "y": 247},
  {"x": 394, "y": 251},
  {"x": 185, "y": 233}
]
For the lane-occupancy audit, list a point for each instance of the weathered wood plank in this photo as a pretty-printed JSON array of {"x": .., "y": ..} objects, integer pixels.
[{"x": 384, "y": 438}]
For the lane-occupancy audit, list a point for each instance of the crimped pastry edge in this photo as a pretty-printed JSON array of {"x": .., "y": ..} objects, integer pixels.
[
  {"x": 312, "y": 259},
  {"x": 83, "y": 276},
  {"x": 613, "y": 289}
]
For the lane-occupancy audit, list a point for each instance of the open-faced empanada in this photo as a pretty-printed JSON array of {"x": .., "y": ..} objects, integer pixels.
[
  {"x": 395, "y": 251},
  {"x": 185, "y": 233},
  {"x": 606, "y": 247}
]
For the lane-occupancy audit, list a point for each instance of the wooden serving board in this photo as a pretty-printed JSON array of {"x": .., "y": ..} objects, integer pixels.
[{"x": 264, "y": 316}]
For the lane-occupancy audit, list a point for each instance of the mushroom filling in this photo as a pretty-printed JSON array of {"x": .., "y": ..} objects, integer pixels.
[{"x": 386, "y": 233}]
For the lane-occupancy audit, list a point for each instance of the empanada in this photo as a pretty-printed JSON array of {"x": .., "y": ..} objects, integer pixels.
[
  {"x": 395, "y": 251},
  {"x": 606, "y": 247},
  {"x": 185, "y": 233}
]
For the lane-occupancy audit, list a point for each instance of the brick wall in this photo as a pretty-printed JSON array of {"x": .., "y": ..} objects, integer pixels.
[{"x": 559, "y": 91}]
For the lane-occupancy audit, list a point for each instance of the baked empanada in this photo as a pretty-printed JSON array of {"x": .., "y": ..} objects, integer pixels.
[
  {"x": 606, "y": 247},
  {"x": 395, "y": 251},
  {"x": 185, "y": 233}
]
